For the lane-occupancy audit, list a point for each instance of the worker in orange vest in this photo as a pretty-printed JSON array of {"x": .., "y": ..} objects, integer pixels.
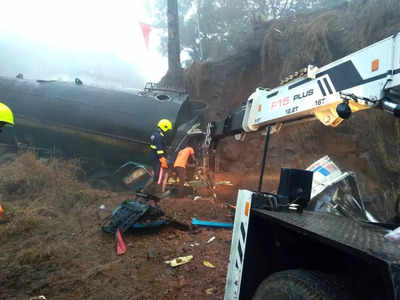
[{"x": 180, "y": 167}]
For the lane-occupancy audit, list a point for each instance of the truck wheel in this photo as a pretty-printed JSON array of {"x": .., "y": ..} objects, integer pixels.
[{"x": 301, "y": 285}]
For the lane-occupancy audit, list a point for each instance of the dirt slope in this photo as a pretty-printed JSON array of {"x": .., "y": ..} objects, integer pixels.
[{"x": 51, "y": 242}]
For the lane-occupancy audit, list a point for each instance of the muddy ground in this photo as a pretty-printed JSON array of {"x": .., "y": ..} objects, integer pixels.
[{"x": 51, "y": 243}]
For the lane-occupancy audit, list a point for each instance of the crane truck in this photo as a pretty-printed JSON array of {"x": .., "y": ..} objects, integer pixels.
[{"x": 280, "y": 248}]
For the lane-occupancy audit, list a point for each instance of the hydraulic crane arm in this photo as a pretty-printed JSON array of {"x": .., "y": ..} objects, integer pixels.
[
  {"x": 268, "y": 240},
  {"x": 367, "y": 78}
]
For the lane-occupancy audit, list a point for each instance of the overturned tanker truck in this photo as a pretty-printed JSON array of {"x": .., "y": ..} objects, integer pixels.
[{"x": 104, "y": 128}]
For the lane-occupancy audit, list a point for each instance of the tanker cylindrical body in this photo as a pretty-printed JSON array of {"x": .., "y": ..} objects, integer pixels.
[{"x": 94, "y": 124}]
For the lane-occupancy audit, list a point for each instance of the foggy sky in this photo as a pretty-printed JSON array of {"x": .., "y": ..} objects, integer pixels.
[{"x": 99, "y": 42}]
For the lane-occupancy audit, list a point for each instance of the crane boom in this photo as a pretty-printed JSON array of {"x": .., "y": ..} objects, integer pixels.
[
  {"x": 367, "y": 78},
  {"x": 271, "y": 244}
]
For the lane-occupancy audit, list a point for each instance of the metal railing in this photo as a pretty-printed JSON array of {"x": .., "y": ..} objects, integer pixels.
[{"x": 153, "y": 87}]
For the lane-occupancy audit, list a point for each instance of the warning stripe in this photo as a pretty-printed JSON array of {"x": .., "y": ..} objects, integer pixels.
[
  {"x": 345, "y": 76},
  {"x": 321, "y": 88},
  {"x": 243, "y": 231},
  {"x": 240, "y": 252},
  {"x": 325, "y": 87},
  {"x": 235, "y": 269},
  {"x": 328, "y": 86}
]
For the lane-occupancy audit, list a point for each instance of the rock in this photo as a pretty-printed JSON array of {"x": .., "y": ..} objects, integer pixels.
[{"x": 171, "y": 237}]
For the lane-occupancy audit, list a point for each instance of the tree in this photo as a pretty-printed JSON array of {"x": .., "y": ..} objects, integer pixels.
[
  {"x": 174, "y": 76},
  {"x": 160, "y": 19},
  {"x": 212, "y": 29}
]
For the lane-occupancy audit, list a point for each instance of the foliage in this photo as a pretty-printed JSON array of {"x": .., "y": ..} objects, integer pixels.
[{"x": 213, "y": 29}]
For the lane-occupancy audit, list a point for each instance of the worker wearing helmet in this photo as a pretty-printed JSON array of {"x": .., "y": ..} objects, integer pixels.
[
  {"x": 6, "y": 117},
  {"x": 158, "y": 146}
]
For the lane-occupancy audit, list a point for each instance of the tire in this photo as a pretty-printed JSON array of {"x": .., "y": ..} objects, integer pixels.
[{"x": 301, "y": 285}]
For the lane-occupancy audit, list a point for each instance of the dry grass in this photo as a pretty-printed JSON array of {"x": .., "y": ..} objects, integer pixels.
[
  {"x": 19, "y": 220},
  {"x": 30, "y": 176},
  {"x": 36, "y": 192},
  {"x": 50, "y": 182},
  {"x": 45, "y": 207},
  {"x": 320, "y": 38},
  {"x": 48, "y": 251}
]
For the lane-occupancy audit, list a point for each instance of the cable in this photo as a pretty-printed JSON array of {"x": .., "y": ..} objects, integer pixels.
[{"x": 355, "y": 98}]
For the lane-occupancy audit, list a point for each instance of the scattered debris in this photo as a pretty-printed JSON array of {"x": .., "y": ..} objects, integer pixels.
[
  {"x": 106, "y": 274},
  {"x": 224, "y": 182},
  {"x": 336, "y": 192},
  {"x": 121, "y": 247},
  {"x": 133, "y": 214},
  {"x": 202, "y": 180},
  {"x": 194, "y": 244},
  {"x": 394, "y": 235},
  {"x": 211, "y": 291},
  {"x": 149, "y": 225},
  {"x": 197, "y": 198},
  {"x": 102, "y": 206},
  {"x": 41, "y": 297},
  {"x": 126, "y": 214},
  {"x": 179, "y": 260},
  {"x": 211, "y": 240},
  {"x": 208, "y": 264},
  {"x": 211, "y": 224}
]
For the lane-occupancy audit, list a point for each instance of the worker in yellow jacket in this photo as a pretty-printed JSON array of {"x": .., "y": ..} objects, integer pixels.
[
  {"x": 6, "y": 118},
  {"x": 158, "y": 146}
]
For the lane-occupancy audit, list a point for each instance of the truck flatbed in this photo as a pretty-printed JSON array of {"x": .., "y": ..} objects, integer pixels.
[
  {"x": 345, "y": 233},
  {"x": 265, "y": 242},
  {"x": 357, "y": 238}
]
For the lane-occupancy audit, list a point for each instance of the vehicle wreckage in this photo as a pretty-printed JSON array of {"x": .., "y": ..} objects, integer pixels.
[
  {"x": 107, "y": 130},
  {"x": 292, "y": 244}
]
